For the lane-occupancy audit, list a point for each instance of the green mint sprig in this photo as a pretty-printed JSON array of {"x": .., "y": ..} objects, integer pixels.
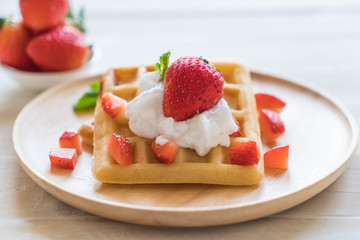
[
  {"x": 163, "y": 65},
  {"x": 88, "y": 100}
]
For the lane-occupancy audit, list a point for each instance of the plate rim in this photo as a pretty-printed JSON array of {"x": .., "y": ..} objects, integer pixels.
[{"x": 46, "y": 184}]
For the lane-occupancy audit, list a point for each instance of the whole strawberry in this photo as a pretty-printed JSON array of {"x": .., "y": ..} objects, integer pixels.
[
  {"x": 60, "y": 49},
  {"x": 192, "y": 86},
  {"x": 40, "y": 15},
  {"x": 14, "y": 38}
]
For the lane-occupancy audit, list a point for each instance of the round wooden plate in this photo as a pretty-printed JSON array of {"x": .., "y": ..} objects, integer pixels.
[{"x": 321, "y": 133}]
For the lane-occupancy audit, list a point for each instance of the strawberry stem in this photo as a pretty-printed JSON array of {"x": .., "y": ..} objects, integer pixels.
[
  {"x": 2, "y": 22},
  {"x": 91, "y": 49},
  {"x": 163, "y": 65},
  {"x": 208, "y": 63},
  {"x": 77, "y": 20}
]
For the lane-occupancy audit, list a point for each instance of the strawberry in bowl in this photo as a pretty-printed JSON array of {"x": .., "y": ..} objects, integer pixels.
[
  {"x": 45, "y": 47},
  {"x": 14, "y": 38},
  {"x": 63, "y": 48},
  {"x": 41, "y": 15}
]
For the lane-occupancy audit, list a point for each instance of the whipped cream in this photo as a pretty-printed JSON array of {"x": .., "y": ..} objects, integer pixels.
[
  {"x": 202, "y": 132},
  {"x": 161, "y": 140},
  {"x": 149, "y": 80}
]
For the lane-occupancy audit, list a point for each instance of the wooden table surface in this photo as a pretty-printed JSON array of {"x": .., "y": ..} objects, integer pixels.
[{"x": 316, "y": 41}]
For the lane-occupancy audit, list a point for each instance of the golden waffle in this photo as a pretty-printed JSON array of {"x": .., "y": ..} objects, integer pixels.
[
  {"x": 86, "y": 131},
  {"x": 188, "y": 166}
]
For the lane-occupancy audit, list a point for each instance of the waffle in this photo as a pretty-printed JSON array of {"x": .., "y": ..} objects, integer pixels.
[
  {"x": 86, "y": 131},
  {"x": 188, "y": 166}
]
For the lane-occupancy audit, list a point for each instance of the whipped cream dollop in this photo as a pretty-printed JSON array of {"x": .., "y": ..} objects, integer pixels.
[
  {"x": 149, "y": 80},
  {"x": 161, "y": 140},
  {"x": 202, "y": 132}
]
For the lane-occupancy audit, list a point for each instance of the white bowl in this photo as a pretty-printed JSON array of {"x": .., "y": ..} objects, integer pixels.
[{"x": 43, "y": 80}]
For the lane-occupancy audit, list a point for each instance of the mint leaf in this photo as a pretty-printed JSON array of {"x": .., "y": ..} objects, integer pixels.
[
  {"x": 163, "y": 65},
  {"x": 95, "y": 85},
  {"x": 88, "y": 100},
  {"x": 157, "y": 66}
]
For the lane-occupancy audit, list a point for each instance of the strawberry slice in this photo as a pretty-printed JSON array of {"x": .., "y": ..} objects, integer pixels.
[
  {"x": 63, "y": 157},
  {"x": 114, "y": 106},
  {"x": 267, "y": 101},
  {"x": 119, "y": 148},
  {"x": 271, "y": 125},
  {"x": 244, "y": 153},
  {"x": 277, "y": 157},
  {"x": 164, "y": 153},
  {"x": 238, "y": 132},
  {"x": 71, "y": 140}
]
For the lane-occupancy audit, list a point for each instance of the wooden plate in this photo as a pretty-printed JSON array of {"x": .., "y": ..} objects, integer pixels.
[{"x": 321, "y": 133}]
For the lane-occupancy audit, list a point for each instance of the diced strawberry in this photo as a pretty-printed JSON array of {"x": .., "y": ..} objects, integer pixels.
[
  {"x": 70, "y": 140},
  {"x": 165, "y": 153},
  {"x": 244, "y": 153},
  {"x": 238, "y": 132},
  {"x": 271, "y": 125},
  {"x": 119, "y": 148},
  {"x": 270, "y": 102},
  {"x": 113, "y": 105},
  {"x": 63, "y": 157},
  {"x": 277, "y": 157}
]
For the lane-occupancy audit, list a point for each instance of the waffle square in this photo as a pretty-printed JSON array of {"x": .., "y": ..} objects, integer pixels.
[{"x": 188, "y": 166}]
